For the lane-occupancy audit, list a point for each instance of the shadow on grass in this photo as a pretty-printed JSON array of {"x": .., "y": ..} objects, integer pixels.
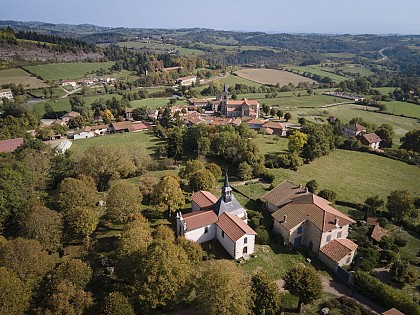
[{"x": 215, "y": 250}]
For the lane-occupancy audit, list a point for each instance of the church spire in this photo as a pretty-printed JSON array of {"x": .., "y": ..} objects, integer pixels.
[
  {"x": 225, "y": 88},
  {"x": 226, "y": 190}
]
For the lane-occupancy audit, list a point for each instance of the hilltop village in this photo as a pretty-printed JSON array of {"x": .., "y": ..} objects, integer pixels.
[{"x": 207, "y": 172}]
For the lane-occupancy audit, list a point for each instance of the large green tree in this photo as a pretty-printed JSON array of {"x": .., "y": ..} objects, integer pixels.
[
  {"x": 123, "y": 201},
  {"x": 296, "y": 141},
  {"x": 320, "y": 141},
  {"x": 117, "y": 303},
  {"x": 231, "y": 285},
  {"x": 44, "y": 225},
  {"x": 265, "y": 294},
  {"x": 27, "y": 259},
  {"x": 14, "y": 296},
  {"x": 81, "y": 222},
  {"x": 411, "y": 141},
  {"x": 74, "y": 193},
  {"x": 386, "y": 133},
  {"x": 400, "y": 204},
  {"x": 76, "y": 271},
  {"x": 202, "y": 180},
  {"x": 168, "y": 195},
  {"x": 372, "y": 205},
  {"x": 304, "y": 282}
]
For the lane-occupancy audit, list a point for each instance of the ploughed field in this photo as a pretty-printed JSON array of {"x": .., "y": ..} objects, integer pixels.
[{"x": 270, "y": 76}]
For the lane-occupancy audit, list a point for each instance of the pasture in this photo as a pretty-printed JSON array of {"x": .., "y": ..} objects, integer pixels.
[
  {"x": 271, "y": 76},
  {"x": 19, "y": 76},
  {"x": 403, "y": 108},
  {"x": 316, "y": 69},
  {"x": 67, "y": 71}
]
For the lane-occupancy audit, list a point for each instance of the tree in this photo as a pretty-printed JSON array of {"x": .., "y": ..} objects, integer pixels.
[
  {"x": 175, "y": 140},
  {"x": 265, "y": 294},
  {"x": 191, "y": 167},
  {"x": 328, "y": 194},
  {"x": 27, "y": 259},
  {"x": 45, "y": 226},
  {"x": 14, "y": 296},
  {"x": 225, "y": 278},
  {"x": 117, "y": 303},
  {"x": 124, "y": 200},
  {"x": 372, "y": 205},
  {"x": 402, "y": 272},
  {"x": 66, "y": 298},
  {"x": 164, "y": 274},
  {"x": 273, "y": 111},
  {"x": 296, "y": 141},
  {"x": 44, "y": 133},
  {"x": 312, "y": 186},
  {"x": 320, "y": 141},
  {"x": 77, "y": 122},
  {"x": 78, "y": 104},
  {"x": 287, "y": 116},
  {"x": 386, "y": 133},
  {"x": 411, "y": 141},
  {"x": 265, "y": 109},
  {"x": 244, "y": 171},
  {"x": 399, "y": 205},
  {"x": 215, "y": 170},
  {"x": 81, "y": 221},
  {"x": 202, "y": 180},
  {"x": 193, "y": 249},
  {"x": 137, "y": 235},
  {"x": 147, "y": 185},
  {"x": 73, "y": 270},
  {"x": 280, "y": 114},
  {"x": 168, "y": 195},
  {"x": 303, "y": 282},
  {"x": 75, "y": 193}
]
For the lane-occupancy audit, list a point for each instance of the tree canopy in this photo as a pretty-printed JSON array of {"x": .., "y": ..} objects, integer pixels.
[{"x": 168, "y": 195}]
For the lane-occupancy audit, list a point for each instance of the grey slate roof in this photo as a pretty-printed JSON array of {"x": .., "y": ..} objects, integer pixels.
[{"x": 232, "y": 206}]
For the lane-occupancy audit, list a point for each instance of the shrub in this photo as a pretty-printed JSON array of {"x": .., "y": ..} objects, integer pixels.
[
  {"x": 312, "y": 186},
  {"x": 400, "y": 241},
  {"x": 255, "y": 222},
  {"x": 328, "y": 194},
  {"x": 370, "y": 259},
  {"x": 388, "y": 256},
  {"x": 384, "y": 294},
  {"x": 402, "y": 272},
  {"x": 268, "y": 177},
  {"x": 262, "y": 236}
]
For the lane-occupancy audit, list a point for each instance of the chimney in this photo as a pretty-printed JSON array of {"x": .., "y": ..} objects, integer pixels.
[
  {"x": 284, "y": 218},
  {"x": 306, "y": 189}
]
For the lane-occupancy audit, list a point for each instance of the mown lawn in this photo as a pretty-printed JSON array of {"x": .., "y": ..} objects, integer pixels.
[{"x": 67, "y": 71}]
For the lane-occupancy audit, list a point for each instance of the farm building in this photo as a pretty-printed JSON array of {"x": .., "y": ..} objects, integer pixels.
[
  {"x": 6, "y": 93},
  {"x": 10, "y": 145},
  {"x": 187, "y": 81}
]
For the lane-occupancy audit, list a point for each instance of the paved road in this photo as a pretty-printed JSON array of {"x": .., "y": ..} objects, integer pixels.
[{"x": 339, "y": 288}]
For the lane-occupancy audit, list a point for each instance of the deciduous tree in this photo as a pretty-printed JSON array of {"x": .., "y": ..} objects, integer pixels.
[
  {"x": 168, "y": 195},
  {"x": 296, "y": 141},
  {"x": 399, "y": 205},
  {"x": 312, "y": 186},
  {"x": 14, "y": 296},
  {"x": 265, "y": 294},
  {"x": 117, "y": 303},
  {"x": 411, "y": 141},
  {"x": 202, "y": 180},
  {"x": 81, "y": 221},
  {"x": 75, "y": 271},
  {"x": 75, "y": 193}
]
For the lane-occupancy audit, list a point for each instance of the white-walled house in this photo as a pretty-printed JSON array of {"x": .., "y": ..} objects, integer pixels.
[
  {"x": 223, "y": 219},
  {"x": 372, "y": 140},
  {"x": 353, "y": 130},
  {"x": 83, "y": 133},
  {"x": 305, "y": 219}
]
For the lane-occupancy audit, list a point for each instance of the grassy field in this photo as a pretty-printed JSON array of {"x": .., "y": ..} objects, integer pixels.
[
  {"x": 231, "y": 80},
  {"x": 19, "y": 76},
  {"x": 290, "y": 101},
  {"x": 270, "y": 76},
  {"x": 67, "y": 71},
  {"x": 146, "y": 138},
  {"x": 385, "y": 90},
  {"x": 155, "y": 102},
  {"x": 403, "y": 108},
  {"x": 315, "y": 69},
  {"x": 160, "y": 47}
]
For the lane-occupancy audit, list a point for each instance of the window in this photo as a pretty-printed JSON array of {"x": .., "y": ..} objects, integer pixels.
[
  {"x": 348, "y": 260},
  {"x": 223, "y": 234},
  {"x": 339, "y": 234},
  {"x": 206, "y": 229},
  {"x": 328, "y": 238},
  {"x": 245, "y": 240},
  {"x": 299, "y": 230}
]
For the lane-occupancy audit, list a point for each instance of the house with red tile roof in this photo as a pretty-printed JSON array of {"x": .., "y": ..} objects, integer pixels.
[
  {"x": 353, "y": 130},
  {"x": 187, "y": 81},
  {"x": 372, "y": 140},
  {"x": 10, "y": 145},
  {"x": 393, "y": 311},
  {"x": 223, "y": 219},
  {"x": 305, "y": 219}
]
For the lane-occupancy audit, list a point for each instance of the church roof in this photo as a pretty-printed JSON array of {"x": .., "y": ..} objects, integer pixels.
[
  {"x": 197, "y": 219},
  {"x": 232, "y": 206},
  {"x": 204, "y": 198},
  {"x": 234, "y": 227}
]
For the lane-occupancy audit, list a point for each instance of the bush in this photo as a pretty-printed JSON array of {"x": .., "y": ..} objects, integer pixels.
[
  {"x": 252, "y": 213},
  {"x": 328, "y": 194},
  {"x": 262, "y": 236},
  {"x": 370, "y": 259},
  {"x": 255, "y": 222},
  {"x": 400, "y": 241},
  {"x": 268, "y": 177},
  {"x": 388, "y": 256},
  {"x": 312, "y": 186},
  {"x": 384, "y": 294}
]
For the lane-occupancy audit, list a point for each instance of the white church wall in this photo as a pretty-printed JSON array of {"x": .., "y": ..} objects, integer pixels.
[{"x": 199, "y": 235}]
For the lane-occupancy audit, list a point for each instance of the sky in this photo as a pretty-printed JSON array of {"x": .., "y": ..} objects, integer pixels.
[{"x": 304, "y": 16}]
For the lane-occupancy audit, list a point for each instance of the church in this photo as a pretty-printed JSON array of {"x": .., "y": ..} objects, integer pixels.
[
  {"x": 223, "y": 219},
  {"x": 236, "y": 108}
]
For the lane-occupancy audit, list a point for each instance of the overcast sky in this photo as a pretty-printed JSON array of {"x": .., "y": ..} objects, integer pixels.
[{"x": 307, "y": 16}]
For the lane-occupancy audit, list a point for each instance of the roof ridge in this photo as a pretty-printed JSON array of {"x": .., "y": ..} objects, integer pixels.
[{"x": 230, "y": 216}]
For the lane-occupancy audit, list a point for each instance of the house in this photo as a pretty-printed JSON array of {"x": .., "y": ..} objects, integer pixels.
[
  {"x": 119, "y": 127},
  {"x": 87, "y": 82},
  {"x": 372, "y": 140},
  {"x": 69, "y": 116},
  {"x": 128, "y": 113},
  {"x": 187, "y": 81},
  {"x": 255, "y": 123},
  {"x": 10, "y": 145},
  {"x": 279, "y": 129},
  {"x": 72, "y": 83},
  {"x": 353, "y": 130},
  {"x": 198, "y": 102},
  {"x": 223, "y": 219},
  {"x": 83, "y": 133},
  {"x": 236, "y": 108},
  {"x": 6, "y": 93},
  {"x": 140, "y": 126},
  {"x": 393, "y": 311},
  {"x": 305, "y": 219},
  {"x": 100, "y": 130},
  {"x": 377, "y": 233}
]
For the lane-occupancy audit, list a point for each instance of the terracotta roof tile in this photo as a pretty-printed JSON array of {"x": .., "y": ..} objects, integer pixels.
[
  {"x": 338, "y": 249},
  {"x": 393, "y": 311},
  {"x": 378, "y": 232},
  {"x": 233, "y": 226},
  {"x": 197, "y": 219},
  {"x": 122, "y": 125},
  {"x": 10, "y": 145},
  {"x": 139, "y": 126},
  {"x": 204, "y": 198},
  {"x": 355, "y": 127},
  {"x": 369, "y": 138},
  {"x": 274, "y": 125}
]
